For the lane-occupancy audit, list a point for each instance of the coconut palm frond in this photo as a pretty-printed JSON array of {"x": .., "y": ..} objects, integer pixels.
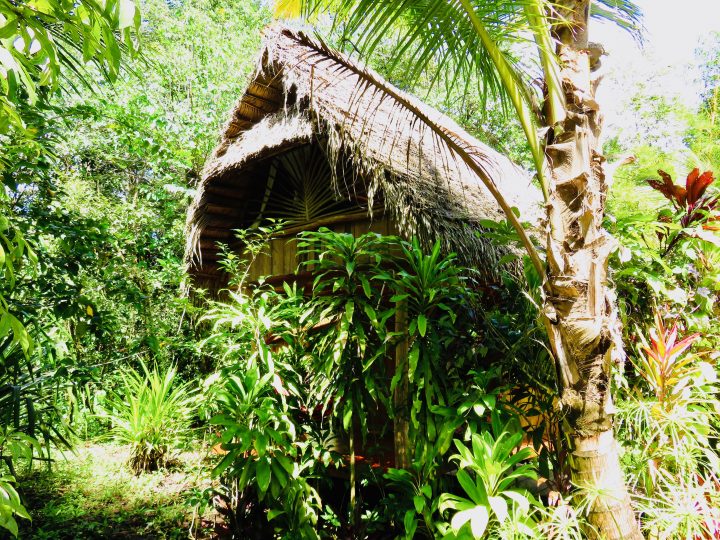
[
  {"x": 306, "y": 193},
  {"x": 437, "y": 33},
  {"x": 464, "y": 40},
  {"x": 625, "y": 13}
]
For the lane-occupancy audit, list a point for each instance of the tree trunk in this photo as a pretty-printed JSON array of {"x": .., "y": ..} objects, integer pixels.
[
  {"x": 401, "y": 424},
  {"x": 580, "y": 311},
  {"x": 354, "y": 507}
]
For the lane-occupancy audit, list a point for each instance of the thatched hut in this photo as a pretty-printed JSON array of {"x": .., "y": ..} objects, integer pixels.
[{"x": 318, "y": 140}]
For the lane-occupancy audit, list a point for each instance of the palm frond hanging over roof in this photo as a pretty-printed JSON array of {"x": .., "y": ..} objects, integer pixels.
[{"x": 418, "y": 163}]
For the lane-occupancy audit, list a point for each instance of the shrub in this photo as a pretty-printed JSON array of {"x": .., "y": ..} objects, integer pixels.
[
  {"x": 488, "y": 472},
  {"x": 151, "y": 412},
  {"x": 668, "y": 420},
  {"x": 13, "y": 446}
]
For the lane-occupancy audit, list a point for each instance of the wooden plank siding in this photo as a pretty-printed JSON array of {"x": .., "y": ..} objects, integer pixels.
[{"x": 280, "y": 257}]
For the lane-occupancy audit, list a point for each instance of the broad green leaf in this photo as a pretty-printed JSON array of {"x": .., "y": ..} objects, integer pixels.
[
  {"x": 500, "y": 508},
  {"x": 8, "y": 26},
  {"x": 470, "y": 488},
  {"x": 519, "y": 499},
  {"x": 127, "y": 14},
  {"x": 410, "y": 524},
  {"x": 260, "y": 444},
  {"x": 478, "y": 518},
  {"x": 278, "y": 473},
  {"x": 413, "y": 357},
  {"x": 365, "y": 285},
  {"x": 262, "y": 474},
  {"x": 422, "y": 325}
]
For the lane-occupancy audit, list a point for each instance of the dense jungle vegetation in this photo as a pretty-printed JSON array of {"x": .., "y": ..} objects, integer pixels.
[{"x": 133, "y": 405}]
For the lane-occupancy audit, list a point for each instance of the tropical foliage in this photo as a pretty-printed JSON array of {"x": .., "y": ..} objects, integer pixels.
[
  {"x": 394, "y": 393},
  {"x": 151, "y": 412},
  {"x": 286, "y": 418}
]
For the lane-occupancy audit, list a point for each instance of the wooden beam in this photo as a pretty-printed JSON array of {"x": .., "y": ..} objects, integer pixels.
[
  {"x": 219, "y": 233},
  {"x": 221, "y": 210},
  {"x": 330, "y": 220}
]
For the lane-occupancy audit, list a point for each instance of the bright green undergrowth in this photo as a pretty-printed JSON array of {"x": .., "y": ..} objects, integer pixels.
[{"x": 94, "y": 494}]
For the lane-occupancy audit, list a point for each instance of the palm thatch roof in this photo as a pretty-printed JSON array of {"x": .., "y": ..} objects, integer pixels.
[{"x": 407, "y": 155}]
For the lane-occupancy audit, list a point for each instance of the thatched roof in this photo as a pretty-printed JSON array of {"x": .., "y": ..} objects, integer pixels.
[{"x": 304, "y": 92}]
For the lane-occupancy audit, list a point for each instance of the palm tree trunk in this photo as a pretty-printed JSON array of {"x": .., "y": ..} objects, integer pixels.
[{"x": 580, "y": 312}]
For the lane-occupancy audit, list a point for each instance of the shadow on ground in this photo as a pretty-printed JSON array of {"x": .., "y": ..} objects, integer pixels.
[{"x": 92, "y": 494}]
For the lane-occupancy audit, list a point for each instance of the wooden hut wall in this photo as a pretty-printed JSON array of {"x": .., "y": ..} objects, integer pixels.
[{"x": 279, "y": 261}]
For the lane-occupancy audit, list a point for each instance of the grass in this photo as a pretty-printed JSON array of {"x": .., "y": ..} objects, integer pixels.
[{"x": 93, "y": 494}]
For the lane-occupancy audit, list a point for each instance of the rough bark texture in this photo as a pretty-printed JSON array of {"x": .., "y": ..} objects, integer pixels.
[{"x": 580, "y": 310}]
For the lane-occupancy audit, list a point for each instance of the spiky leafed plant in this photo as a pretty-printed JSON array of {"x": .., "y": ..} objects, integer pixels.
[
  {"x": 473, "y": 38},
  {"x": 151, "y": 412},
  {"x": 664, "y": 364}
]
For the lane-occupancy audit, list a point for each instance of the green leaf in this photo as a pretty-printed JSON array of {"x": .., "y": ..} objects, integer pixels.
[
  {"x": 479, "y": 520},
  {"x": 262, "y": 474},
  {"x": 413, "y": 357},
  {"x": 422, "y": 325},
  {"x": 272, "y": 514},
  {"x": 519, "y": 499},
  {"x": 477, "y": 516},
  {"x": 260, "y": 444},
  {"x": 370, "y": 312},
  {"x": 479, "y": 409},
  {"x": 349, "y": 310},
  {"x": 366, "y": 286},
  {"x": 347, "y": 416},
  {"x": 127, "y": 14},
  {"x": 410, "y": 524},
  {"x": 285, "y": 462},
  {"x": 500, "y": 507},
  {"x": 225, "y": 463},
  {"x": 41, "y": 6},
  {"x": 279, "y": 473},
  {"x": 393, "y": 383},
  {"x": 469, "y": 486},
  {"x": 9, "y": 28}
]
